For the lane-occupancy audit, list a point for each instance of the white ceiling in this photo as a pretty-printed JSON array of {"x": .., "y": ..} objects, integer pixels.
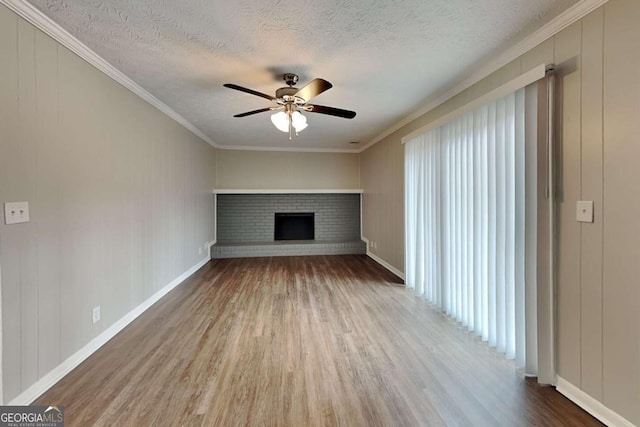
[{"x": 385, "y": 58}]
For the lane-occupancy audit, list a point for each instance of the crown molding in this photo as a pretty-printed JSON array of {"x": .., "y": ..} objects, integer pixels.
[
  {"x": 559, "y": 23},
  {"x": 288, "y": 149},
  {"x": 62, "y": 36}
]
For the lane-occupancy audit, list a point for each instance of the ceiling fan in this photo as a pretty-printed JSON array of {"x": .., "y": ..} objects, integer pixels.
[{"x": 290, "y": 100}]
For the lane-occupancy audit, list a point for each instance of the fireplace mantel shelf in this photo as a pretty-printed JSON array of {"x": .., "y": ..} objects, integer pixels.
[{"x": 291, "y": 191}]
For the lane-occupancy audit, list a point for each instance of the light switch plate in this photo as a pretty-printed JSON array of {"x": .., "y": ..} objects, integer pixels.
[
  {"x": 584, "y": 211},
  {"x": 16, "y": 212}
]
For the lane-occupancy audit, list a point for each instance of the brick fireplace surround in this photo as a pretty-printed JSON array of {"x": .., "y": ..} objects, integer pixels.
[{"x": 245, "y": 225}]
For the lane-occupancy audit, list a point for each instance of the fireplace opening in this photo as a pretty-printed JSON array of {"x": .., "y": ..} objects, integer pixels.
[{"x": 294, "y": 226}]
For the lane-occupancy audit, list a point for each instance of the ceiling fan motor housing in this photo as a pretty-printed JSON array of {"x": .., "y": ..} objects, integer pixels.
[
  {"x": 286, "y": 95},
  {"x": 290, "y": 79},
  {"x": 286, "y": 91}
]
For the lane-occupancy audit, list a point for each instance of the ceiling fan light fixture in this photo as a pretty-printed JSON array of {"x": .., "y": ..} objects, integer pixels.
[
  {"x": 299, "y": 121},
  {"x": 281, "y": 121}
]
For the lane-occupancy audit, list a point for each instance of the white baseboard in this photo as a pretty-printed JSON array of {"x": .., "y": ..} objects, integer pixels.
[
  {"x": 591, "y": 405},
  {"x": 385, "y": 264},
  {"x": 209, "y": 245},
  {"x": 377, "y": 259},
  {"x": 55, "y": 375}
]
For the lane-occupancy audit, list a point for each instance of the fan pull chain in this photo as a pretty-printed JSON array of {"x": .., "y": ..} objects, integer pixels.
[{"x": 290, "y": 128}]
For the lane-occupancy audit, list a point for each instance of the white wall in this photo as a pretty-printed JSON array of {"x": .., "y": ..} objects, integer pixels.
[
  {"x": 598, "y": 288},
  {"x": 240, "y": 169},
  {"x": 120, "y": 199}
]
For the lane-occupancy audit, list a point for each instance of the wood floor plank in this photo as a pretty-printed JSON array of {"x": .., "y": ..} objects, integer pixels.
[{"x": 301, "y": 341}]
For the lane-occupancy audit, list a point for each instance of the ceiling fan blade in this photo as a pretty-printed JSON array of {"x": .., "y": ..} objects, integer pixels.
[
  {"x": 249, "y": 113},
  {"x": 251, "y": 91},
  {"x": 339, "y": 112},
  {"x": 313, "y": 89}
]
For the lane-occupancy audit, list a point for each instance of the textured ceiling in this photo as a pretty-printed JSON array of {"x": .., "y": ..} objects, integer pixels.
[{"x": 385, "y": 58}]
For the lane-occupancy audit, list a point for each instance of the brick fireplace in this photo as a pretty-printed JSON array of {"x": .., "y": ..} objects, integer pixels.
[{"x": 246, "y": 224}]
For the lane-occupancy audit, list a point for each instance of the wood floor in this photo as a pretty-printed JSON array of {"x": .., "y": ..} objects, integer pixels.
[{"x": 297, "y": 341}]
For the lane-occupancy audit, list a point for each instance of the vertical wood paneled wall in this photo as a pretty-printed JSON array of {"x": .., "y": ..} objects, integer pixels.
[
  {"x": 120, "y": 200},
  {"x": 598, "y": 291}
]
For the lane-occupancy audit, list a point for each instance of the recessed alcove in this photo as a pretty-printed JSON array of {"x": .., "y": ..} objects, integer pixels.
[{"x": 320, "y": 223}]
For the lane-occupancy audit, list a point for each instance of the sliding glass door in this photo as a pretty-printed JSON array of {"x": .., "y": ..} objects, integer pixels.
[{"x": 466, "y": 221}]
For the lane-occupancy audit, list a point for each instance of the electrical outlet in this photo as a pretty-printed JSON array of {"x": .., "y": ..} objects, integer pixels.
[
  {"x": 95, "y": 314},
  {"x": 16, "y": 212},
  {"x": 200, "y": 251}
]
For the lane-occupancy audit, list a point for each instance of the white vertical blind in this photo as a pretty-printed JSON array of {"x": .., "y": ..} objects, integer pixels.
[{"x": 466, "y": 220}]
